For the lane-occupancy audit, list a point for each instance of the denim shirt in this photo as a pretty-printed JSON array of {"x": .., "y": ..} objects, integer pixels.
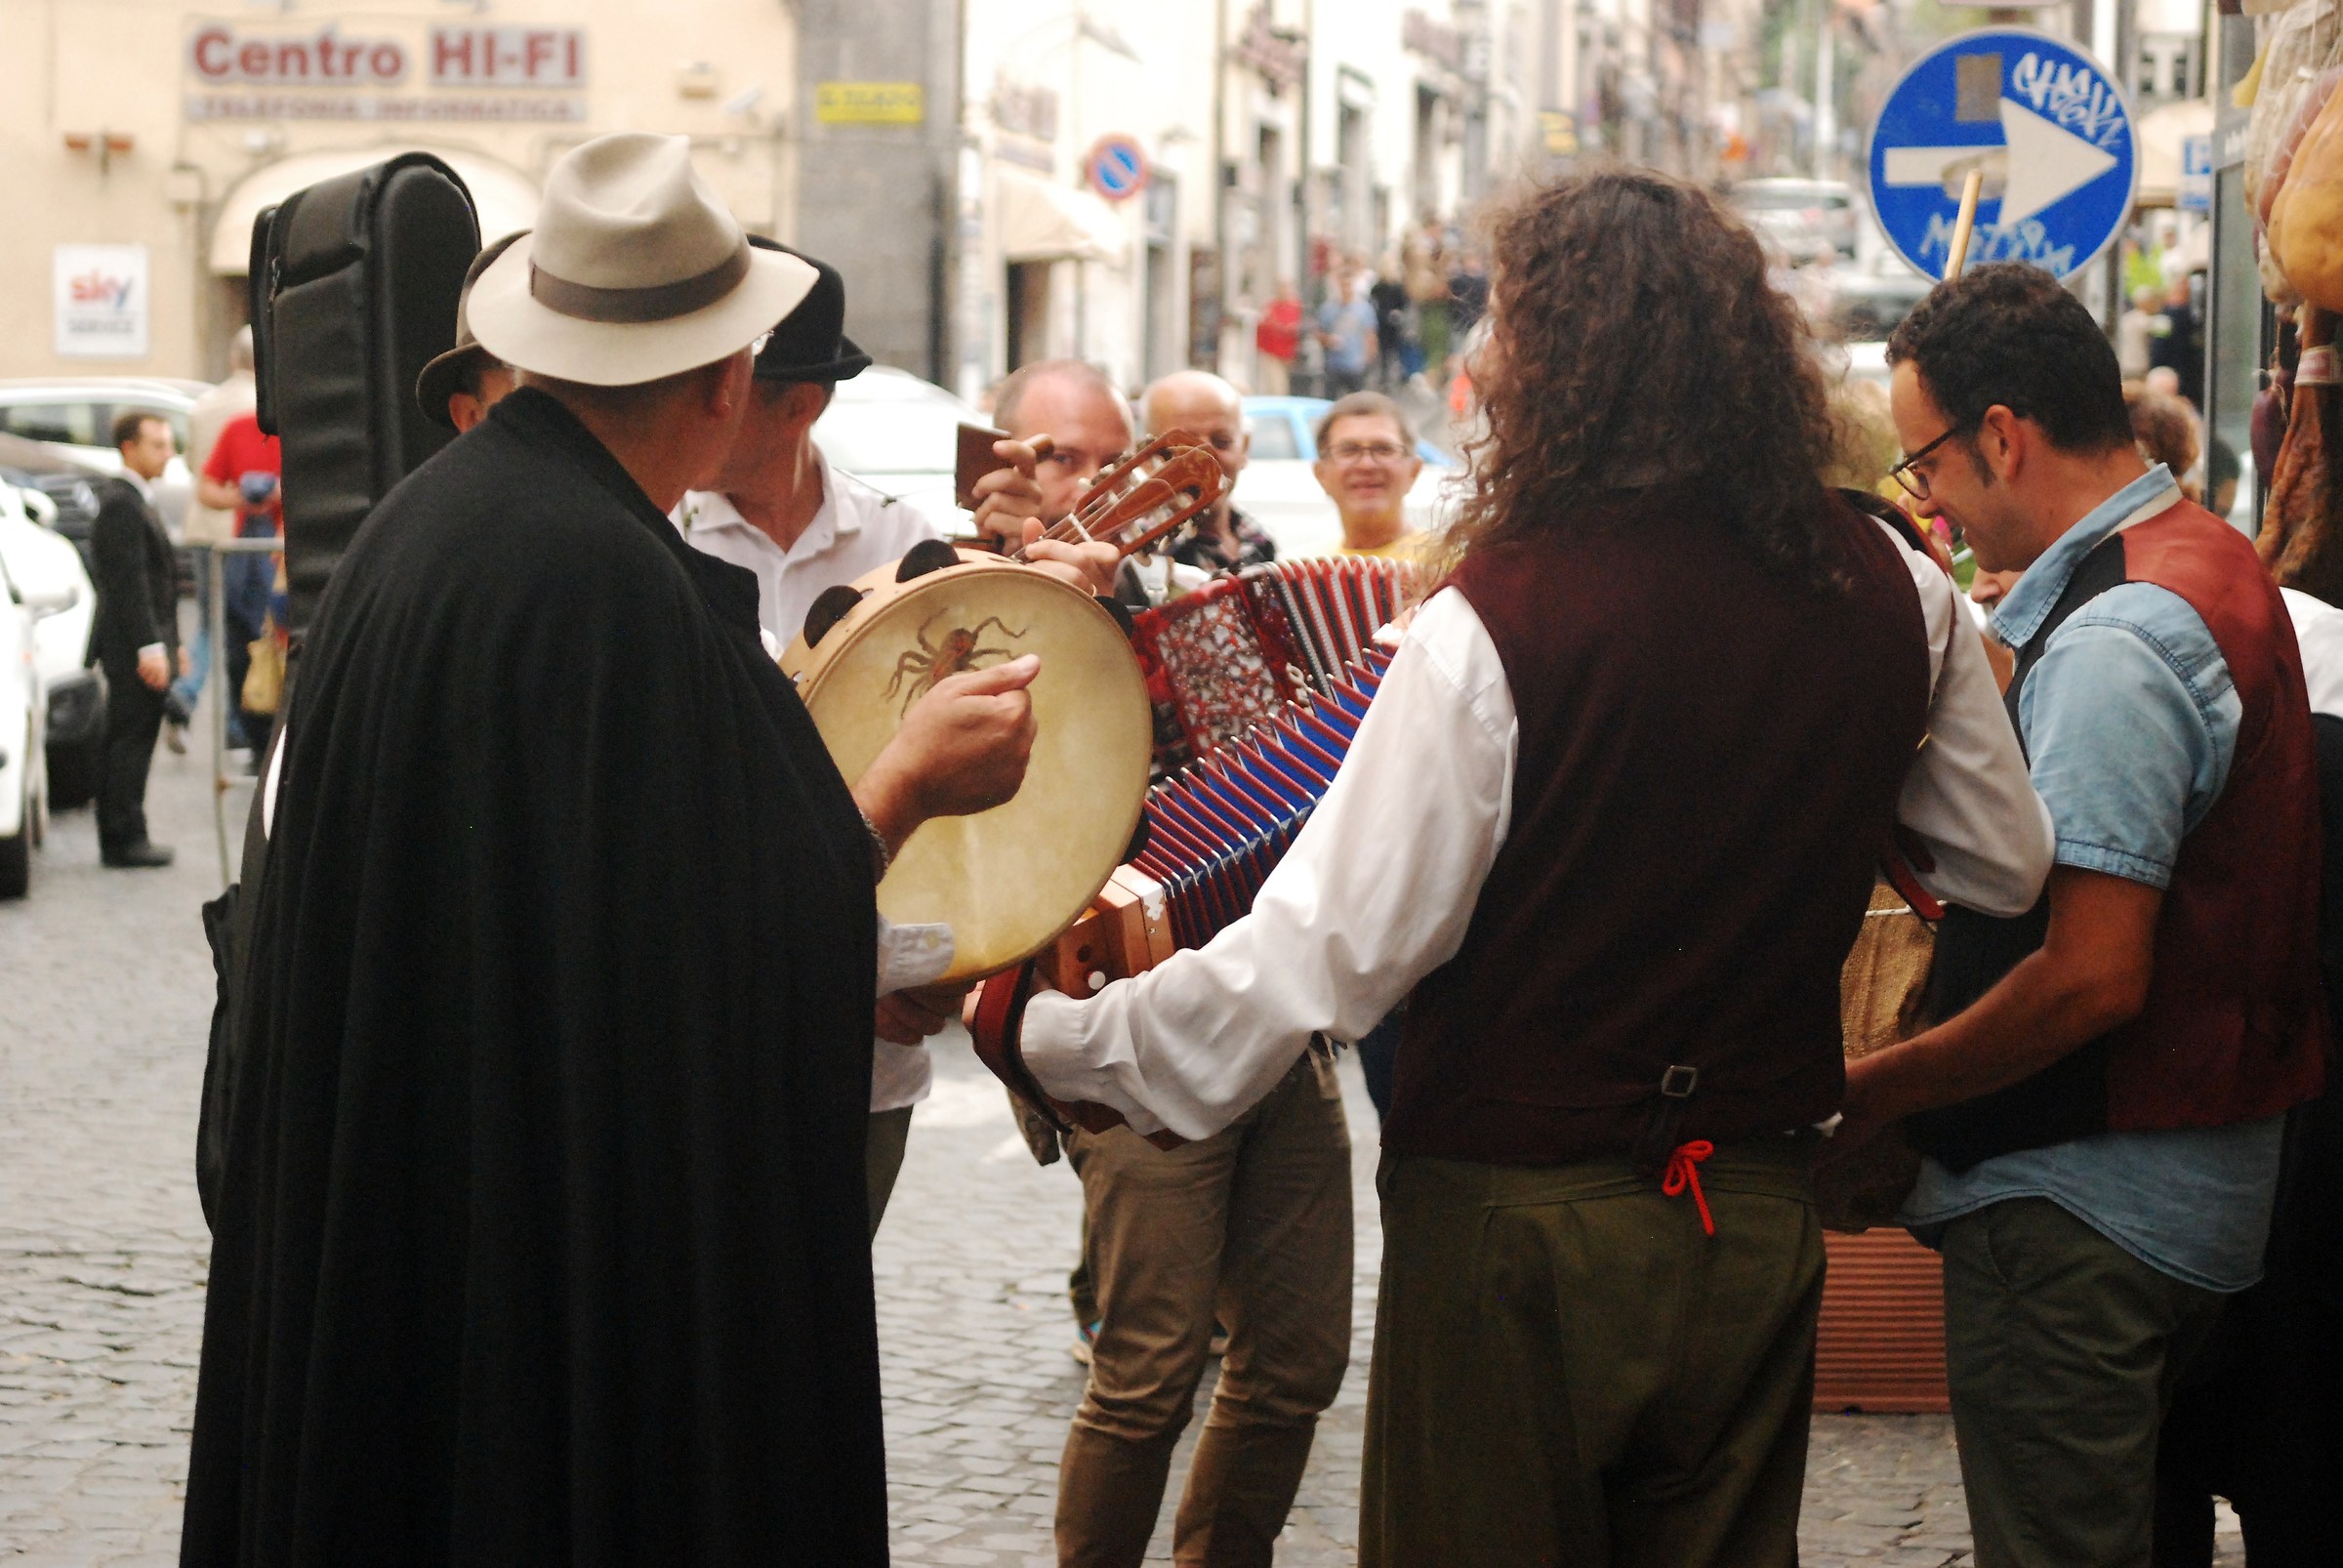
[{"x": 2130, "y": 721}]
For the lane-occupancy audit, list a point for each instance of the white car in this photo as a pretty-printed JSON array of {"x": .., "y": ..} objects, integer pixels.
[
  {"x": 75, "y": 415},
  {"x": 48, "y": 571},
  {"x": 900, "y": 436},
  {"x": 23, "y": 714}
]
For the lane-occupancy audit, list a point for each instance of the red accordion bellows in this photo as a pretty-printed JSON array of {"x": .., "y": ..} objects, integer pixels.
[{"x": 1239, "y": 651}]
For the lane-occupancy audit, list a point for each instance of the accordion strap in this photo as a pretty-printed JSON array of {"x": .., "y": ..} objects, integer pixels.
[{"x": 997, "y": 1029}]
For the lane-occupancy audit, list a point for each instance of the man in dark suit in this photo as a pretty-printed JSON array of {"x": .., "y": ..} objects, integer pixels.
[{"x": 137, "y": 636}]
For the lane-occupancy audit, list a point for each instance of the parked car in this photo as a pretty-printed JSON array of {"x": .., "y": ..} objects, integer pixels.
[
  {"x": 1800, "y": 214},
  {"x": 24, "y": 716},
  {"x": 53, "y": 579},
  {"x": 75, "y": 415},
  {"x": 1279, "y": 491},
  {"x": 1878, "y": 290},
  {"x": 899, "y": 435}
]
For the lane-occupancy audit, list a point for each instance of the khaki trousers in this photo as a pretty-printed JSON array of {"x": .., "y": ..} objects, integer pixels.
[
  {"x": 2063, "y": 1352},
  {"x": 1569, "y": 1372},
  {"x": 1252, "y": 1227}
]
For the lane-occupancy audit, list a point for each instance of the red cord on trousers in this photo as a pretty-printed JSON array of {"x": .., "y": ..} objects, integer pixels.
[{"x": 1684, "y": 1170}]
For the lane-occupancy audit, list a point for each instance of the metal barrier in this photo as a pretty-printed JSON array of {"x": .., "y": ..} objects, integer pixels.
[{"x": 212, "y": 566}]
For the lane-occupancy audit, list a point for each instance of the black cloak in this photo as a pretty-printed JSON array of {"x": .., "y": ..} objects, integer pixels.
[{"x": 541, "y": 1234}]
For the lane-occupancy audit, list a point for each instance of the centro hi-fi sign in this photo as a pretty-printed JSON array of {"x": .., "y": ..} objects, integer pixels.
[{"x": 238, "y": 71}]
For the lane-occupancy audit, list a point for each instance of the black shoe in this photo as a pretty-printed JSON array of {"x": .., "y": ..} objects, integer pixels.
[{"x": 133, "y": 856}]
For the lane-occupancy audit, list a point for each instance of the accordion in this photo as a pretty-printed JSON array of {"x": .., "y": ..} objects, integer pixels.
[
  {"x": 1261, "y": 678},
  {"x": 1246, "y": 647}
]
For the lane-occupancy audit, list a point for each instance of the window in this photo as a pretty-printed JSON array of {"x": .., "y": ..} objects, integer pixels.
[{"x": 73, "y": 424}]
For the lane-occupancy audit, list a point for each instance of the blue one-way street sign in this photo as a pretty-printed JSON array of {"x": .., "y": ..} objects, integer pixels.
[{"x": 2045, "y": 123}]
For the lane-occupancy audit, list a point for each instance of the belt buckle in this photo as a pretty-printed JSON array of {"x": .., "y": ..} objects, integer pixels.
[{"x": 1678, "y": 1082}]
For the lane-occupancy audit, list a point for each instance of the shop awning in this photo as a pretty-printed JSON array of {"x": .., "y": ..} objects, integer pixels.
[
  {"x": 505, "y": 198},
  {"x": 2161, "y": 131},
  {"x": 1042, "y": 221}
]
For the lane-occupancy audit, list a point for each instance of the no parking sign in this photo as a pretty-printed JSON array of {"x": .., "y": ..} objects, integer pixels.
[{"x": 1117, "y": 168}]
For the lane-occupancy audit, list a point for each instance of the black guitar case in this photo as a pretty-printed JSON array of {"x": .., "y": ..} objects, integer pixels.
[{"x": 354, "y": 283}]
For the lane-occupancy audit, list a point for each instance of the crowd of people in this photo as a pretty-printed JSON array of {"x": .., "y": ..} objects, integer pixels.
[
  {"x": 1401, "y": 324},
  {"x": 566, "y": 1065}
]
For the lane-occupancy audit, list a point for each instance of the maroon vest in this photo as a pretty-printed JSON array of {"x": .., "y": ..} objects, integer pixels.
[
  {"x": 2234, "y": 1025},
  {"x": 1709, "y": 761}
]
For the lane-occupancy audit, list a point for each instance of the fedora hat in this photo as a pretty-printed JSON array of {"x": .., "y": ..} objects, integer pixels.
[
  {"x": 810, "y": 344},
  {"x": 440, "y": 378},
  {"x": 634, "y": 272}
]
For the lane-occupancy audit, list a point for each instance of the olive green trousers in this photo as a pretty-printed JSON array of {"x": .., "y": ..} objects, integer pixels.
[{"x": 1568, "y": 1370}]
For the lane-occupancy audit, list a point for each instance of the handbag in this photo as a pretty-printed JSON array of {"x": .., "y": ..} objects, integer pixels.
[{"x": 265, "y": 678}]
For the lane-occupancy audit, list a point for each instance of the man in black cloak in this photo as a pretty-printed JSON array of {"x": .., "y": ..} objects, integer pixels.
[{"x": 540, "y": 1236}]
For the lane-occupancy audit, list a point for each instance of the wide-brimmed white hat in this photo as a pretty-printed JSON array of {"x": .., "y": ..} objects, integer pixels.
[{"x": 634, "y": 271}]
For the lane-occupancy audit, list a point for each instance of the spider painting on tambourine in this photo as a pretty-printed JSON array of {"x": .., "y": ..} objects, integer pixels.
[{"x": 1007, "y": 881}]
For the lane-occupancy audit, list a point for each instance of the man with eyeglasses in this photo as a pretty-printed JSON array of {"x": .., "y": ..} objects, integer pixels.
[
  {"x": 2102, "y": 1098},
  {"x": 1367, "y": 463}
]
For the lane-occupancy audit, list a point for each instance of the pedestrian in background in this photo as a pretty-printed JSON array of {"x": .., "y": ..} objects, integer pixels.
[
  {"x": 1395, "y": 345},
  {"x": 1467, "y": 294},
  {"x": 1423, "y": 256},
  {"x": 2177, "y": 341},
  {"x": 2165, "y": 428},
  {"x": 1276, "y": 340},
  {"x": 244, "y": 474},
  {"x": 208, "y": 525},
  {"x": 2135, "y": 333},
  {"x": 2101, "y": 1102},
  {"x": 1346, "y": 330},
  {"x": 136, "y": 638}
]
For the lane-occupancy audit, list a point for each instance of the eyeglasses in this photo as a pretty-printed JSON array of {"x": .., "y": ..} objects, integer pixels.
[
  {"x": 1908, "y": 472},
  {"x": 1375, "y": 451}
]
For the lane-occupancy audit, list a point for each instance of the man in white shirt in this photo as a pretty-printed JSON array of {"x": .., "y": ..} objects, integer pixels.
[
  {"x": 777, "y": 507},
  {"x": 1610, "y": 825}
]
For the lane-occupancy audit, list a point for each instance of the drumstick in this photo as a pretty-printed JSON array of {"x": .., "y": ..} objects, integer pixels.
[{"x": 1965, "y": 224}]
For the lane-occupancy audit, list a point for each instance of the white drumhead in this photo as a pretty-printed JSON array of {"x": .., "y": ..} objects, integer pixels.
[{"x": 1009, "y": 879}]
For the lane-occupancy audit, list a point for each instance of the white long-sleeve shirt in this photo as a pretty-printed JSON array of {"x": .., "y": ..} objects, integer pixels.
[{"x": 1379, "y": 887}]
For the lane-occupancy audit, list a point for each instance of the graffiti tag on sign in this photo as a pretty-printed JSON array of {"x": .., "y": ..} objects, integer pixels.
[{"x": 2071, "y": 95}]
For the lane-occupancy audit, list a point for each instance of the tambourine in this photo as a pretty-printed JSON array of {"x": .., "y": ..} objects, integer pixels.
[{"x": 1008, "y": 880}]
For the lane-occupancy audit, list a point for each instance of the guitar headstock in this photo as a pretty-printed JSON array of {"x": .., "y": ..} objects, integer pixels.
[{"x": 1147, "y": 495}]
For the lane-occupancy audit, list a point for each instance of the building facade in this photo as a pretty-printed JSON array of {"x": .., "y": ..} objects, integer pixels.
[
  {"x": 142, "y": 137},
  {"x": 1122, "y": 180}
]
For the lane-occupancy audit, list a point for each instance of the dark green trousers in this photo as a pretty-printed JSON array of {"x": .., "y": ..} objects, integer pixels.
[
  {"x": 1569, "y": 1372},
  {"x": 2063, "y": 1351}
]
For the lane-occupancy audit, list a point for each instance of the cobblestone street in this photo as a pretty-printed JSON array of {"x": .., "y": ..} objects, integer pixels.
[{"x": 105, "y": 996}]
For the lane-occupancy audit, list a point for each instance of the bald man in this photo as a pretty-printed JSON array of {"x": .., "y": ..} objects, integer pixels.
[
  {"x": 1221, "y": 538},
  {"x": 1089, "y": 423}
]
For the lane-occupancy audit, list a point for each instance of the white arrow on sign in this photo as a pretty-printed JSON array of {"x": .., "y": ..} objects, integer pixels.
[{"x": 2042, "y": 163}]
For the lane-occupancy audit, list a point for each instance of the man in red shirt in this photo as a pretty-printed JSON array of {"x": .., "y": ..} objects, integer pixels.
[
  {"x": 244, "y": 476},
  {"x": 1278, "y": 337}
]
